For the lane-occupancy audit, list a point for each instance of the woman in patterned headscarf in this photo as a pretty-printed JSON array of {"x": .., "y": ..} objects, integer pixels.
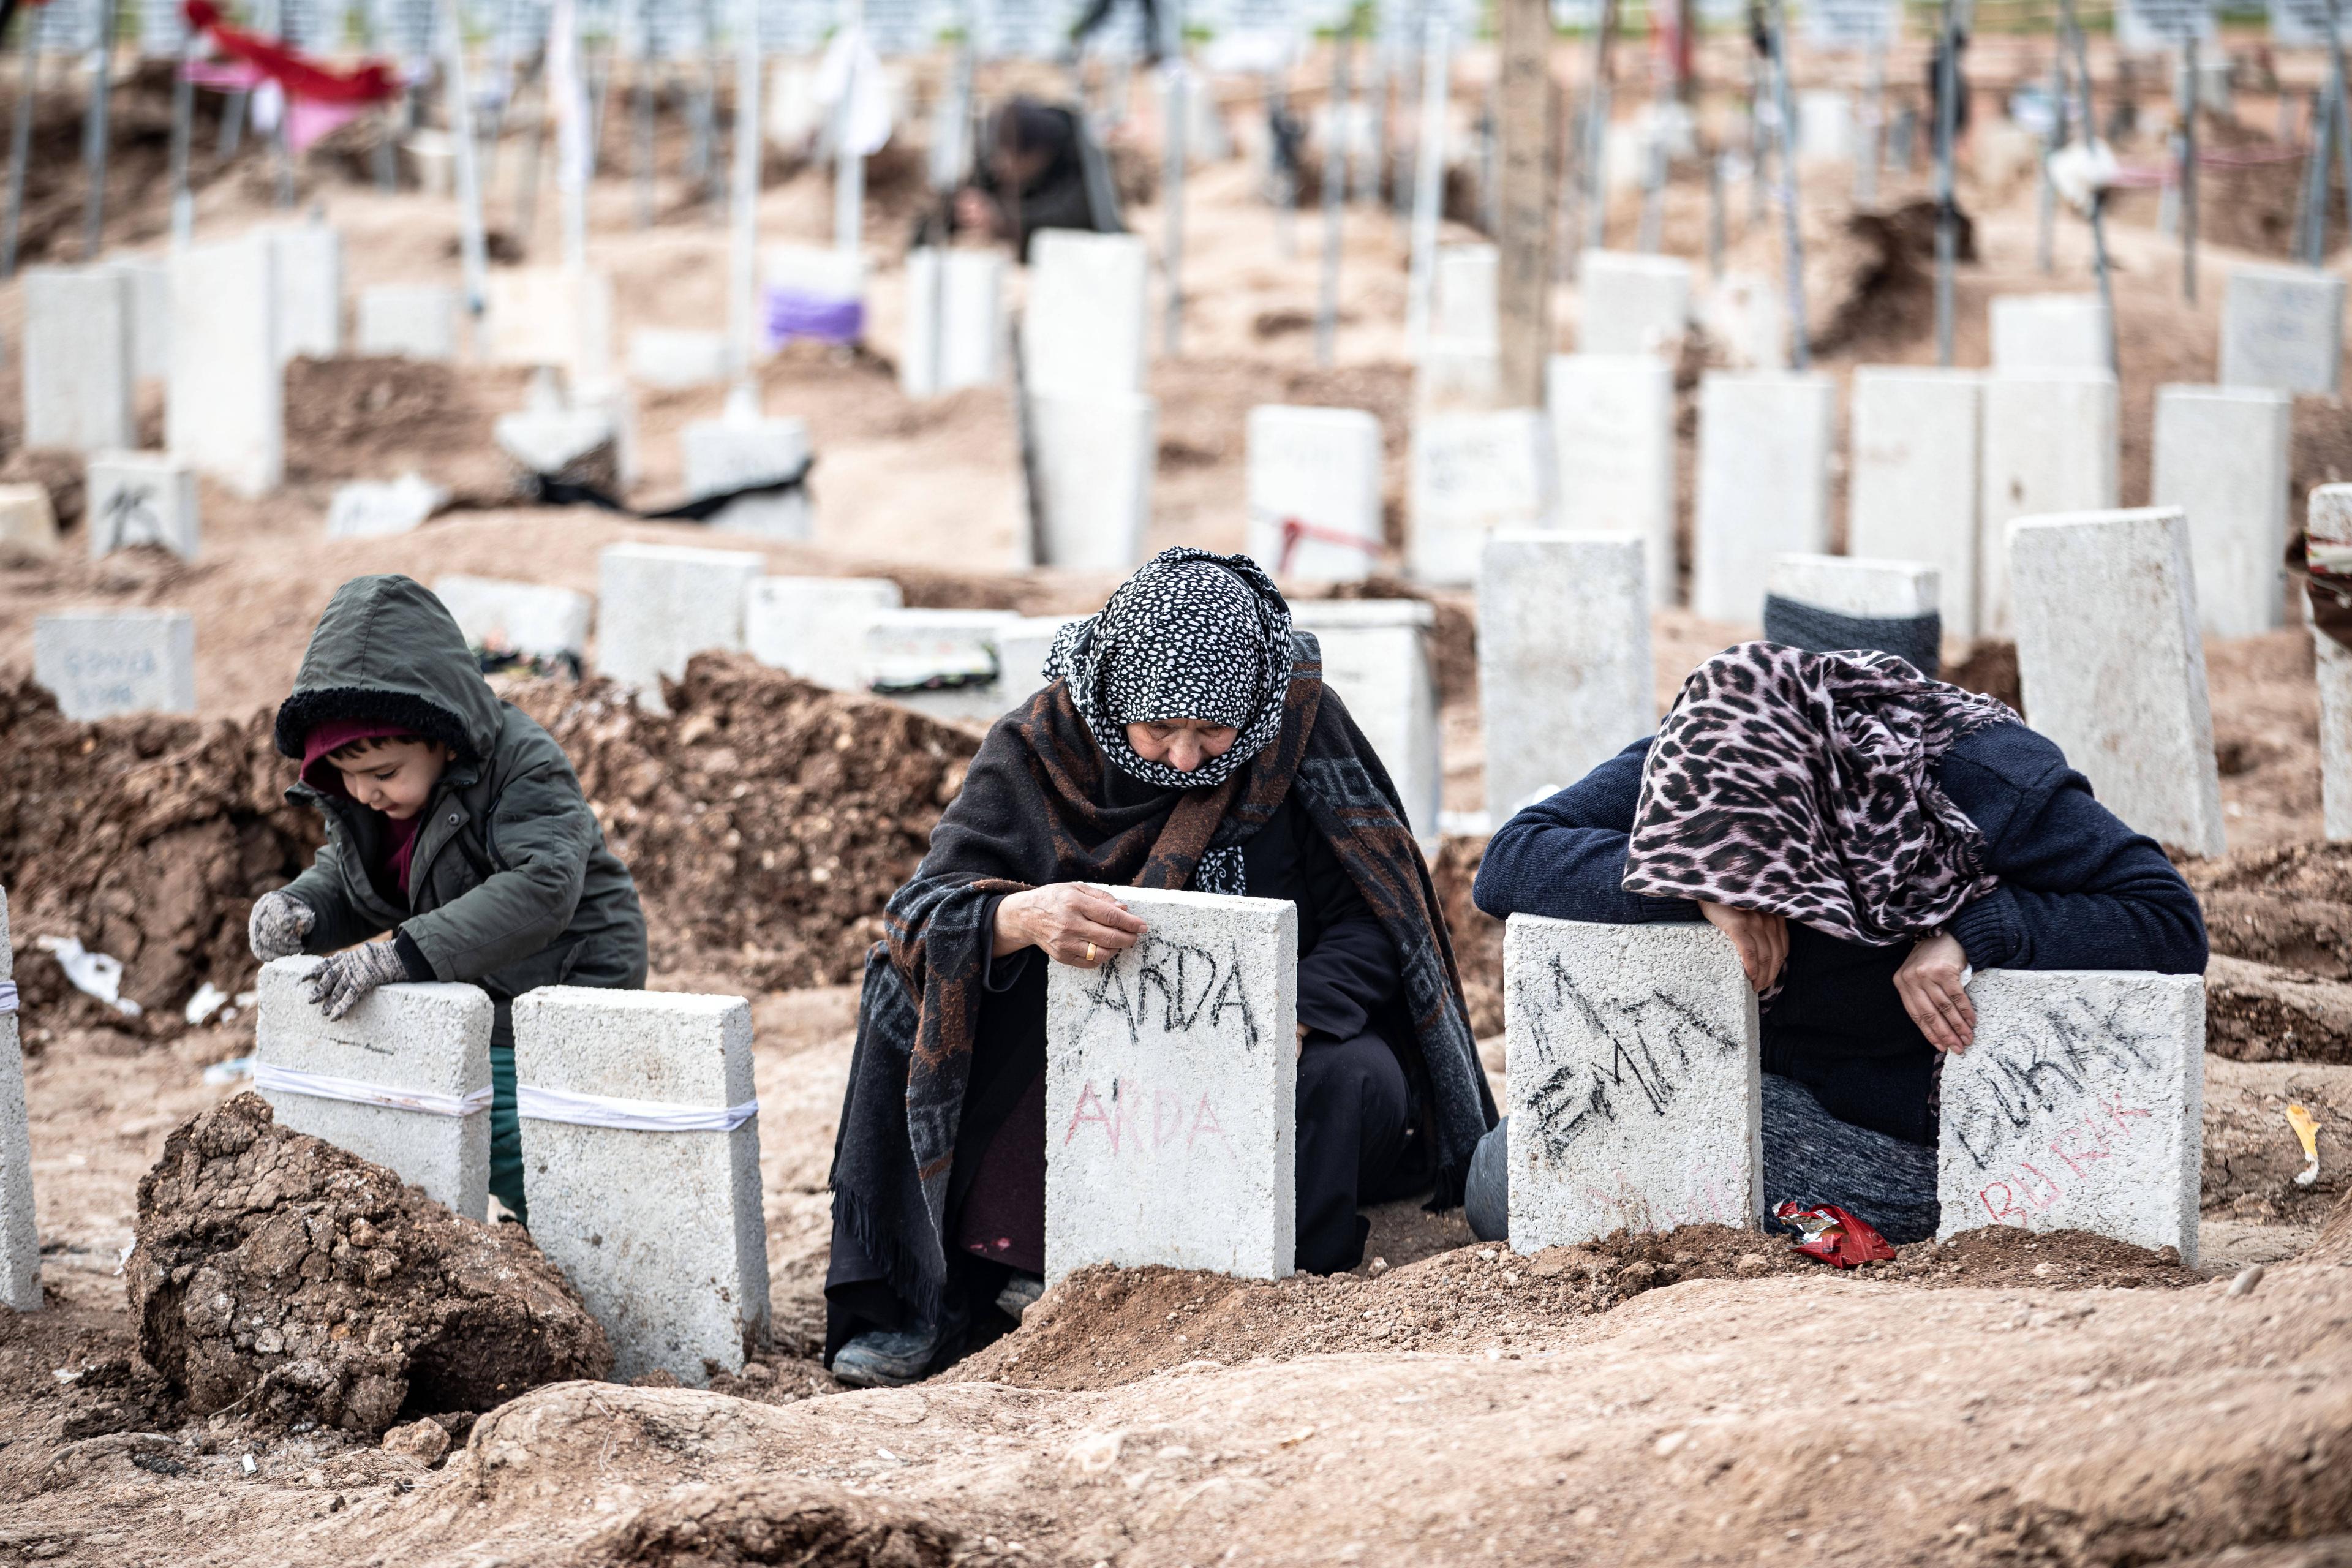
[{"x": 1186, "y": 740}]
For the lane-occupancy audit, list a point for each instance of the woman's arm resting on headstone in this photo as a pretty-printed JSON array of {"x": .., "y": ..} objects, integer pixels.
[{"x": 1565, "y": 856}]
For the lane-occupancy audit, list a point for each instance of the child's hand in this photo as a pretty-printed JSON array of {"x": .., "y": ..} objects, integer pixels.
[
  {"x": 341, "y": 983},
  {"x": 278, "y": 924}
]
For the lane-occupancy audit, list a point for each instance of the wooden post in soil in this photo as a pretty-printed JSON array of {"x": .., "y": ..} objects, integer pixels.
[{"x": 1524, "y": 234}]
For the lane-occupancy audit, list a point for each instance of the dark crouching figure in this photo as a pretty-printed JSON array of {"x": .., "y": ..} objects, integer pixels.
[
  {"x": 1866, "y": 838},
  {"x": 1033, "y": 175},
  {"x": 1187, "y": 741}
]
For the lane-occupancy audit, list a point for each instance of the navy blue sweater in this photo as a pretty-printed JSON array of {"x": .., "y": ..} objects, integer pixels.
[{"x": 2078, "y": 890}]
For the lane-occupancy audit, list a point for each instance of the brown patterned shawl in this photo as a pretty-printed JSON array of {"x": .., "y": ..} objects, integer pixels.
[{"x": 1027, "y": 816}]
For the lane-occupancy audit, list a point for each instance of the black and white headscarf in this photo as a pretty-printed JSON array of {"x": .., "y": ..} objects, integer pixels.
[{"x": 1191, "y": 636}]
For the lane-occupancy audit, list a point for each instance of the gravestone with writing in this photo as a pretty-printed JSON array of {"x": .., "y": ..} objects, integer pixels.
[
  {"x": 1613, "y": 444},
  {"x": 1636, "y": 1099},
  {"x": 101, "y": 663},
  {"x": 527, "y": 618},
  {"x": 1172, "y": 1076},
  {"x": 2282, "y": 327},
  {"x": 1912, "y": 492},
  {"x": 2078, "y": 1106},
  {"x": 78, "y": 356},
  {"x": 1764, "y": 440},
  {"x": 2162, "y": 24},
  {"x": 660, "y": 605},
  {"x": 1315, "y": 491},
  {"x": 20, "y": 1243},
  {"x": 659, "y": 1228},
  {"x": 141, "y": 498},
  {"x": 344, "y": 1079},
  {"x": 1473, "y": 474}
]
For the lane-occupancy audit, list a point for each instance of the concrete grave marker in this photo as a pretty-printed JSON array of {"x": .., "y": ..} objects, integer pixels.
[
  {"x": 2080, "y": 1106},
  {"x": 1632, "y": 304},
  {"x": 743, "y": 448},
  {"x": 1636, "y": 1095},
  {"x": 309, "y": 272},
  {"x": 2221, "y": 455},
  {"x": 2050, "y": 332},
  {"x": 940, "y": 662},
  {"x": 20, "y": 1241},
  {"x": 1315, "y": 492},
  {"x": 101, "y": 663},
  {"x": 812, "y": 291},
  {"x": 429, "y": 1045},
  {"x": 671, "y": 358},
  {"x": 150, "y": 316},
  {"x": 2112, "y": 666},
  {"x": 1912, "y": 495},
  {"x": 526, "y": 618},
  {"x": 1082, "y": 330},
  {"x": 1747, "y": 313},
  {"x": 2049, "y": 445},
  {"x": 225, "y": 412},
  {"x": 1376, "y": 657},
  {"x": 1613, "y": 442},
  {"x": 2328, "y": 520},
  {"x": 2282, "y": 327},
  {"x": 370, "y": 508},
  {"x": 433, "y": 157},
  {"x": 1564, "y": 677},
  {"x": 815, "y": 626},
  {"x": 661, "y": 1232},
  {"x": 1763, "y": 483},
  {"x": 660, "y": 605},
  {"x": 1825, "y": 128},
  {"x": 28, "y": 524},
  {"x": 1473, "y": 474},
  {"x": 955, "y": 321},
  {"x": 1172, "y": 1102},
  {"x": 414, "y": 321},
  {"x": 548, "y": 317},
  {"x": 1022, "y": 648},
  {"x": 140, "y": 498},
  {"x": 1830, "y": 604},
  {"x": 78, "y": 354},
  {"x": 1464, "y": 309},
  {"x": 1096, "y": 453}
]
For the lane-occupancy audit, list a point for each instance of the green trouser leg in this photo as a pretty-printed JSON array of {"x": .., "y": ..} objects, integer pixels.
[{"x": 506, "y": 1133}]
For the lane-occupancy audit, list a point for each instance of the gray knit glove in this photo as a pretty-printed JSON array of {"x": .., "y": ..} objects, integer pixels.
[
  {"x": 339, "y": 985},
  {"x": 278, "y": 925}
]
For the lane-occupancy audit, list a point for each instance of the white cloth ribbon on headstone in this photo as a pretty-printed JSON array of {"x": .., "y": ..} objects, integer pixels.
[
  {"x": 7, "y": 995},
  {"x": 630, "y": 1115},
  {"x": 325, "y": 1086}
]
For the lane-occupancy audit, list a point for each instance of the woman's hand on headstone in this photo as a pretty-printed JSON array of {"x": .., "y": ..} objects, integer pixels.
[
  {"x": 1075, "y": 922},
  {"x": 1761, "y": 940},
  {"x": 1933, "y": 984}
]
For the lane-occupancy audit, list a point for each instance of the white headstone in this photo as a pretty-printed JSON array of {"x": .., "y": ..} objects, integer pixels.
[
  {"x": 1748, "y": 314},
  {"x": 2079, "y": 1106},
  {"x": 1376, "y": 657},
  {"x": 940, "y": 662},
  {"x": 1856, "y": 585},
  {"x": 815, "y": 626},
  {"x": 372, "y": 509},
  {"x": 78, "y": 358},
  {"x": 2282, "y": 327},
  {"x": 1096, "y": 453},
  {"x": 2113, "y": 669},
  {"x": 955, "y": 321},
  {"x": 546, "y": 316},
  {"x": 20, "y": 1241},
  {"x": 741, "y": 449},
  {"x": 310, "y": 277},
  {"x": 2221, "y": 455},
  {"x": 659, "y": 605},
  {"x": 2050, "y": 332},
  {"x": 1465, "y": 308},
  {"x": 416, "y": 320},
  {"x": 662, "y": 1233},
  {"x": 2328, "y": 520},
  {"x": 2049, "y": 445},
  {"x": 1825, "y": 129},
  {"x": 1458, "y": 374},
  {"x": 674, "y": 357},
  {"x": 1613, "y": 440},
  {"x": 140, "y": 498},
  {"x": 527, "y": 618},
  {"x": 1564, "y": 677},
  {"x": 812, "y": 291},
  {"x": 1472, "y": 475},
  {"x": 28, "y": 524},
  {"x": 1082, "y": 330},
  {"x": 1171, "y": 1077},
  {"x": 101, "y": 663},
  {"x": 1912, "y": 489},
  {"x": 226, "y": 409},
  {"x": 1636, "y": 1099},
  {"x": 1632, "y": 304},
  {"x": 1315, "y": 492},
  {"x": 1763, "y": 483},
  {"x": 150, "y": 316},
  {"x": 432, "y": 1040}
]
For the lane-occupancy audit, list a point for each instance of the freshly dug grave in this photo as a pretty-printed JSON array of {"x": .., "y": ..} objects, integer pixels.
[
  {"x": 2280, "y": 919},
  {"x": 279, "y": 1275}
]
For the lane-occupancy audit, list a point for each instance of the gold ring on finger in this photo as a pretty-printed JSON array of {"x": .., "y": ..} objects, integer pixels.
[{"x": 1090, "y": 952}]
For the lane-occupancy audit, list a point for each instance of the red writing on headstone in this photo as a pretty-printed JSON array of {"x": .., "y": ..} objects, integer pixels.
[
  {"x": 1129, "y": 1125},
  {"x": 2029, "y": 1189}
]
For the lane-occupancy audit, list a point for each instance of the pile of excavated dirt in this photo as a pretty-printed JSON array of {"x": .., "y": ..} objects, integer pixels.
[
  {"x": 1477, "y": 936},
  {"x": 280, "y": 1277},
  {"x": 2280, "y": 919},
  {"x": 768, "y": 1521}
]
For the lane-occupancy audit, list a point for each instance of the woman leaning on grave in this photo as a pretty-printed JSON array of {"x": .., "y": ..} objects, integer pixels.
[
  {"x": 1186, "y": 741},
  {"x": 1866, "y": 838}
]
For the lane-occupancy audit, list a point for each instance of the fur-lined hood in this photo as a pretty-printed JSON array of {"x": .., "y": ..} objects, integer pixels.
[{"x": 388, "y": 649}]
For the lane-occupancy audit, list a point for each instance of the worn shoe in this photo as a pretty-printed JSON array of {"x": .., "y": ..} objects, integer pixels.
[
  {"x": 888, "y": 1360},
  {"x": 1020, "y": 1294}
]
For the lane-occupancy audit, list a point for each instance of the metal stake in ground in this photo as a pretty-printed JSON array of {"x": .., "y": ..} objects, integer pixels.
[
  {"x": 849, "y": 164},
  {"x": 1335, "y": 181},
  {"x": 744, "y": 249},
  {"x": 1175, "y": 83},
  {"x": 1865, "y": 167},
  {"x": 183, "y": 112},
  {"x": 471, "y": 251},
  {"x": 2188, "y": 95},
  {"x": 2341, "y": 121},
  {"x": 1596, "y": 133},
  {"x": 94, "y": 131},
  {"x": 2046, "y": 218},
  {"x": 1800, "y": 354},
  {"x": 1429, "y": 182},
  {"x": 1948, "y": 115},
  {"x": 2074, "y": 30},
  {"x": 20, "y": 146}
]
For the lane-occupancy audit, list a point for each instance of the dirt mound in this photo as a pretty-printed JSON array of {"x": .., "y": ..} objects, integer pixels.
[
  {"x": 1869, "y": 276},
  {"x": 278, "y": 1274},
  {"x": 1477, "y": 936},
  {"x": 765, "y": 819},
  {"x": 775, "y": 1521},
  {"x": 375, "y": 418},
  {"x": 2255, "y": 1013}
]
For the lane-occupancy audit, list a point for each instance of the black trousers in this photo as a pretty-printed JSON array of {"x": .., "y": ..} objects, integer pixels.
[{"x": 1352, "y": 1113}]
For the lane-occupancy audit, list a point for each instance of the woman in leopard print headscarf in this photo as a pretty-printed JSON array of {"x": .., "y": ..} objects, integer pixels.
[{"x": 1866, "y": 838}]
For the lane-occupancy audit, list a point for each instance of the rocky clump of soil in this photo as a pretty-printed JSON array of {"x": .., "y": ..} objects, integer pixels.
[
  {"x": 776, "y": 1521},
  {"x": 285, "y": 1278}
]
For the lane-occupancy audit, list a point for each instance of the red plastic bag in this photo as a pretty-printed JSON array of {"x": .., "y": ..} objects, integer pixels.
[{"x": 1834, "y": 1236}]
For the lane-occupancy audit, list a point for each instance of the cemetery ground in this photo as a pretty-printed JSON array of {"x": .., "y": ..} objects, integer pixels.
[{"x": 1706, "y": 1395}]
